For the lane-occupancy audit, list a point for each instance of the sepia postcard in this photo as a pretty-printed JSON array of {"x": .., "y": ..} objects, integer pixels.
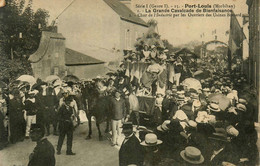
[{"x": 129, "y": 82}]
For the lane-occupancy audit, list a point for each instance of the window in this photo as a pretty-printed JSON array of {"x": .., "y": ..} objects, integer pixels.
[
  {"x": 127, "y": 39},
  {"x": 136, "y": 35}
]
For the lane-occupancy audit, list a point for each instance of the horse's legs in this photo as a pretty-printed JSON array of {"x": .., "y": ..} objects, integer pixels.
[
  {"x": 99, "y": 132},
  {"x": 107, "y": 126},
  {"x": 89, "y": 127}
]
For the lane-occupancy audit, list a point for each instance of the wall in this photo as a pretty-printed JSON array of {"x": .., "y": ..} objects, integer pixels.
[
  {"x": 53, "y": 58},
  {"x": 246, "y": 49},
  {"x": 134, "y": 30},
  {"x": 86, "y": 24},
  {"x": 87, "y": 71},
  {"x": 254, "y": 48}
]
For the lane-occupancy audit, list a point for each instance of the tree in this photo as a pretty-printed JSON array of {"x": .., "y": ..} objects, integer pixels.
[
  {"x": 19, "y": 36},
  {"x": 20, "y": 28}
]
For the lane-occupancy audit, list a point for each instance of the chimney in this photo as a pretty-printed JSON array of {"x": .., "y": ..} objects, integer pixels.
[{"x": 127, "y": 3}]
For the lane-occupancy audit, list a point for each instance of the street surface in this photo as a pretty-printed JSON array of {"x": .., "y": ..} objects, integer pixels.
[{"x": 88, "y": 152}]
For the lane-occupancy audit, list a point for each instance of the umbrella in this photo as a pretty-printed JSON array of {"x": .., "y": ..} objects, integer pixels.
[
  {"x": 27, "y": 78},
  {"x": 192, "y": 83},
  {"x": 51, "y": 78},
  {"x": 223, "y": 101},
  {"x": 71, "y": 78},
  {"x": 39, "y": 82}
]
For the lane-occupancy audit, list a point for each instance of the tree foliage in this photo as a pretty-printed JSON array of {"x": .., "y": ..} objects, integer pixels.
[
  {"x": 20, "y": 28},
  {"x": 19, "y": 36}
]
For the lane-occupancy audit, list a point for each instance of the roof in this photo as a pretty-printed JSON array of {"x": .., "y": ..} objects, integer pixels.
[
  {"x": 44, "y": 44},
  {"x": 73, "y": 58},
  {"x": 102, "y": 54},
  {"x": 124, "y": 12}
]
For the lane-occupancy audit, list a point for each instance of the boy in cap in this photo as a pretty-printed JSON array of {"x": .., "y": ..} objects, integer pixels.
[{"x": 43, "y": 153}]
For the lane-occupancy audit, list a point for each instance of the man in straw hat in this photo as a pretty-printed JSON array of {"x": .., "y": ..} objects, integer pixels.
[
  {"x": 192, "y": 155},
  {"x": 131, "y": 152},
  {"x": 152, "y": 157}
]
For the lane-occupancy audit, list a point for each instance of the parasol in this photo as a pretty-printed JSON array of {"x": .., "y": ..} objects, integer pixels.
[
  {"x": 71, "y": 78},
  {"x": 51, "y": 78},
  {"x": 223, "y": 101},
  {"x": 192, "y": 83},
  {"x": 27, "y": 78}
]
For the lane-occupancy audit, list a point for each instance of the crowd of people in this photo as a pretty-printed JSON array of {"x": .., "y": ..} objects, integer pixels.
[{"x": 213, "y": 125}]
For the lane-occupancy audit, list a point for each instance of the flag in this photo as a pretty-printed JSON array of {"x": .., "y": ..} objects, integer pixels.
[
  {"x": 236, "y": 37},
  {"x": 236, "y": 34}
]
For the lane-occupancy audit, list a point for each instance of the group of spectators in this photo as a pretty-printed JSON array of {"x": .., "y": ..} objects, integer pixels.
[
  {"x": 210, "y": 126},
  {"x": 25, "y": 105},
  {"x": 186, "y": 125}
]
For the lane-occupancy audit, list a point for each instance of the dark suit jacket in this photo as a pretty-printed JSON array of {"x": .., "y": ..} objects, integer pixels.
[
  {"x": 43, "y": 154},
  {"x": 64, "y": 117},
  {"x": 131, "y": 152}
]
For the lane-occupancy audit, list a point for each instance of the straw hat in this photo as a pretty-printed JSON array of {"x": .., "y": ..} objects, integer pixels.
[
  {"x": 202, "y": 117},
  {"x": 192, "y": 155},
  {"x": 151, "y": 140},
  {"x": 153, "y": 46},
  {"x": 163, "y": 127},
  {"x": 214, "y": 107},
  {"x": 180, "y": 115},
  {"x": 192, "y": 123},
  {"x": 241, "y": 107},
  {"x": 242, "y": 101},
  {"x": 182, "y": 92},
  {"x": 180, "y": 97},
  {"x": 231, "y": 130},
  {"x": 33, "y": 92},
  {"x": 224, "y": 163},
  {"x": 196, "y": 103}
]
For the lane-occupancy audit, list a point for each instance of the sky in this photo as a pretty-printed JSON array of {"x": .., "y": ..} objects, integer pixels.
[{"x": 176, "y": 30}]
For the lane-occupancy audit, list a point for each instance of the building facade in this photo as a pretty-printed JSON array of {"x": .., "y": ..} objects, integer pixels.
[
  {"x": 53, "y": 58},
  {"x": 107, "y": 25},
  {"x": 254, "y": 48},
  {"x": 245, "y": 64}
]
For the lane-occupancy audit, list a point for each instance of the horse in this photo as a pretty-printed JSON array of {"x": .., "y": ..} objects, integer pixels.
[{"x": 97, "y": 105}]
